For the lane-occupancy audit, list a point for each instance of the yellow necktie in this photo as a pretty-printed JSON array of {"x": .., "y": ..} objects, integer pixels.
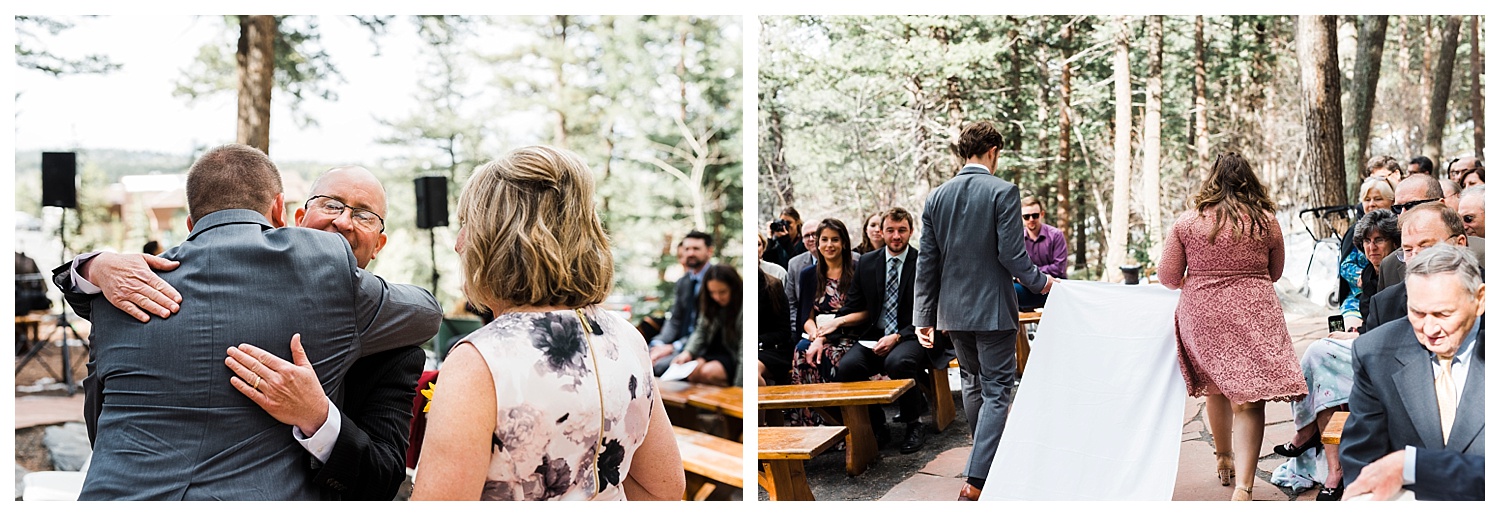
[{"x": 1446, "y": 396}]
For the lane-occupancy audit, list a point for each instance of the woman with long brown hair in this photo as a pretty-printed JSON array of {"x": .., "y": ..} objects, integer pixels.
[{"x": 1232, "y": 341}]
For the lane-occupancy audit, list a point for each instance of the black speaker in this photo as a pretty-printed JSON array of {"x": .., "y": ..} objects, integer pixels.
[
  {"x": 432, "y": 202},
  {"x": 58, "y": 171}
]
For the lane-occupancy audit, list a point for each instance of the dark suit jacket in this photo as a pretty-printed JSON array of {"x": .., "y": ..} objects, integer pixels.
[
  {"x": 368, "y": 462},
  {"x": 1395, "y": 270},
  {"x": 1393, "y": 404},
  {"x": 682, "y": 306},
  {"x": 1387, "y": 306},
  {"x": 170, "y": 425},
  {"x": 971, "y": 249}
]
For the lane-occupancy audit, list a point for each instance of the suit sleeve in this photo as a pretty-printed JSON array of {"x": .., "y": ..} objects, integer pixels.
[
  {"x": 929, "y": 274},
  {"x": 1448, "y": 475},
  {"x": 1362, "y": 441},
  {"x": 62, "y": 276},
  {"x": 368, "y": 461},
  {"x": 393, "y": 315},
  {"x": 672, "y": 329},
  {"x": 1011, "y": 252},
  {"x": 792, "y": 276}
]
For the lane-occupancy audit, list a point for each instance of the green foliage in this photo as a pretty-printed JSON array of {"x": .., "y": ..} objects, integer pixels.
[
  {"x": 303, "y": 68},
  {"x": 31, "y": 55}
]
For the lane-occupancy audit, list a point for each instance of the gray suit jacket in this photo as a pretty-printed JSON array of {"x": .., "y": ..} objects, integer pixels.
[
  {"x": 971, "y": 249},
  {"x": 1393, "y": 404},
  {"x": 171, "y": 427},
  {"x": 1393, "y": 271}
]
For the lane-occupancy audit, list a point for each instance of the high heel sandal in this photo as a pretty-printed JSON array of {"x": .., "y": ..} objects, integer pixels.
[
  {"x": 1286, "y": 450},
  {"x": 1226, "y": 467},
  {"x": 1241, "y": 494}
]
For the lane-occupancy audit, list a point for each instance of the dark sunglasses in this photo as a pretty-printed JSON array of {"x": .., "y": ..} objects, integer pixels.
[
  {"x": 1029, "y": 216},
  {"x": 1468, "y": 219},
  {"x": 1409, "y": 205}
]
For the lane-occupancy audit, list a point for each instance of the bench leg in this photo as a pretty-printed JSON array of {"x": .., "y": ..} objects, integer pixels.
[
  {"x": 787, "y": 481},
  {"x": 943, "y": 411},
  {"x": 1023, "y": 350},
  {"x": 861, "y": 448}
]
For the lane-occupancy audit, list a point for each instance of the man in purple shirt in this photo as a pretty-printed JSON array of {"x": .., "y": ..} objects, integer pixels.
[{"x": 1047, "y": 248}]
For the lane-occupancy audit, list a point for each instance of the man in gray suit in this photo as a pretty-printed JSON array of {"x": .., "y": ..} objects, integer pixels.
[
  {"x": 970, "y": 252},
  {"x": 171, "y": 425},
  {"x": 1416, "y": 410}
]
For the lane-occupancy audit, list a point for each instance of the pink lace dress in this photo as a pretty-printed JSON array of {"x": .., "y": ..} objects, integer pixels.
[{"x": 1231, "y": 333}]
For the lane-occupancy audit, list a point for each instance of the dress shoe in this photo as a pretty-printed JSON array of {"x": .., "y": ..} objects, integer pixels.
[
  {"x": 968, "y": 494},
  {"x": 916, "y": 437},
  {"x": 1287, "y": 450},
  {"x": 1330, "y": 494}
]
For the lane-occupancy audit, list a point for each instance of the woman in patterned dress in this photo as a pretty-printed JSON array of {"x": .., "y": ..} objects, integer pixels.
[
  {"x": 823, "y": 287},
  {"x": 554, "y": 399},
  {"x": 1232, "y": 340}
]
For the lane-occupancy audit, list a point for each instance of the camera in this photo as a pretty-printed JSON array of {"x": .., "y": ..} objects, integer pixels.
[{"x": 779, "y": 226}]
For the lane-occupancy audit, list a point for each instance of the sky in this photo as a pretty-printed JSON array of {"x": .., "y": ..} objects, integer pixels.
[{"x": 133, "y": 108}]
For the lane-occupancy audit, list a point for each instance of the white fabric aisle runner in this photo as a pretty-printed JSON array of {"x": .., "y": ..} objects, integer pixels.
[{"x": 1099, "y": 413}]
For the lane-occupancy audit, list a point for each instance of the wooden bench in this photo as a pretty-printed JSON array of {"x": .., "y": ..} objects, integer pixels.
[
  {"x": 851, "y": 398},
  {"x": 781, "y": 452},
  {"x": 1023, "y": 344},
  {"x": 728, "y": 402},
  {"x": 675, "y": 396},
  {"x": 943, "y": 411},
  {"x": 712, "y": 462},
  {"x": 1334, "y": 432}
]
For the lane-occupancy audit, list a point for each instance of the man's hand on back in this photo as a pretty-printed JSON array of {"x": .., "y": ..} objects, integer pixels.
[{"x": 126, "y": 280}]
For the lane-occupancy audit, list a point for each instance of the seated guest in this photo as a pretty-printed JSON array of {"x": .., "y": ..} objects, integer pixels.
[
  {"x": 774, "y": 335},
  {"x": 1419, "y": 165},
  {"x": 1412, "y": 192},
  {"x": 716, "y": 340},
  {"x": 1460, "y": 169},
  {"x": 1416, "y": 411},
  {"x": 1472, "y": 178},
  {"x": 824, "y": 287},
  {"x": 1328, "y": 369},
  {"x": 1471, "y": 210},
  {"x": 799, "y": 263},
  {"x": 770, "y": 268},
  {"x": 1046, "y": 247},
  {"x": 1450, "y": 193},
  {"x": 872, "y": 239},
  {"x": 1385, "y": 167},
  {"x": 1374, "y": 194},
  {"x": 1421, "y": 227},
  {"x": 693, "y": 252},
  {"x": 879, "y": 309}
]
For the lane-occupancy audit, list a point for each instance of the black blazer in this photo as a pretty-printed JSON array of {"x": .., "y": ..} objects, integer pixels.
[
  {"x": 868, "y": 295},
  {"x": 368, "y": 461},
  {"x": 1386, "y": 306},
  {"x": 682, "y": 304}
]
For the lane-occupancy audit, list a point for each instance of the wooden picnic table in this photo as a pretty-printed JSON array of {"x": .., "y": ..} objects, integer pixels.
[
  {"x": 782, "y": 450},
  {"x": 851, "y": 398},
  {"x": 728, "y": 401}
]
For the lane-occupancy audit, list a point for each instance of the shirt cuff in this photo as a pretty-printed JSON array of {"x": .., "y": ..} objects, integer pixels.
[
  {"x": 1409, "y": 466},
  {"x": 320, "y": 445},
  {"x": 79, "y": 283}
]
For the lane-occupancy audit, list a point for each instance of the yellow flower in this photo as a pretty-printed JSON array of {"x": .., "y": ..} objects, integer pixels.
[{"x": 427, "y": 393}]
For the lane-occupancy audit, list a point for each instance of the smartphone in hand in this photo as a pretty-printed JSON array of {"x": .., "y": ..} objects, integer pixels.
[{"x": 1335, "y": 323}]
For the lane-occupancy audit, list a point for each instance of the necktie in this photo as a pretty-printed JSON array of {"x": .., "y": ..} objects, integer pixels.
[
  {"x": 1446, "y": 396},
  {"x": 892, "y": 288}
]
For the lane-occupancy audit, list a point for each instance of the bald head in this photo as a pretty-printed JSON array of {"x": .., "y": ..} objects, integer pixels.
[
  {"x": 355, "y": 188},
  {"x": 1471, "y": 211},
  {"x": 1418, "y": 188}
]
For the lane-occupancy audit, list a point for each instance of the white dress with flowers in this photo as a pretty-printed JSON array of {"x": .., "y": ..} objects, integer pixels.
[{"x": 556, "y": 392}]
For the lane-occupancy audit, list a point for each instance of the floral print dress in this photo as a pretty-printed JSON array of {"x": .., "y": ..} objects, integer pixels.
[{"x": 574, "y": 403}]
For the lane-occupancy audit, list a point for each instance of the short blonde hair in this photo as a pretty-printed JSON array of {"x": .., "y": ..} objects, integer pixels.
[
  {"x": 1380, "y": 185},
  {"x": 531, "y": 235}
]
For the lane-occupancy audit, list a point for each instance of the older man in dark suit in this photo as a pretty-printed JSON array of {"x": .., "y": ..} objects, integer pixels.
[
  {"x": 149, "y": 443},
  {"x": 1416, "y": 410},
  {"x": 971, "y": 252},
  {"x": 878, "y": 310}
]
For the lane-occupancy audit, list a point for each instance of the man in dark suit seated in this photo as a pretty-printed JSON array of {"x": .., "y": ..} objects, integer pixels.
[
  {"x": 1422, "y": 227},
  {"x": 878, "y": 309},
  {"x": 1416, "y": 410},
  {"x": 389, "y": 320},
  {"x": 693, "y": 252}
]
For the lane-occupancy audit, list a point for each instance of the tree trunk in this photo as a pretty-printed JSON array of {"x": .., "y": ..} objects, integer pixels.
[
  {"x": 1200, "y": 99},
  {"x": 1151, "y": 139},
  {"x": 775, "y": 165},
  {"x": 1362, "y": 98},
  {"x": 1013, "y": 100},
  {"x": 1476, "y": 91},
  {"x": 1317, "y": 55},
  {"x": 1442, "y": 82},
  {"x": 1064, "y": 139},
  {"x": 255, "y": 61},
  {"x": 1119, "y": 219},
  {"x": 560, "y": 134}
]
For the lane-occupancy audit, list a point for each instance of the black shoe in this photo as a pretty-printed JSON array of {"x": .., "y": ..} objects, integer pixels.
[
  {"x": 1330, "y": 494},
  {"x": 1286, "y": 450},
  {"x": 916, "y": 437}
]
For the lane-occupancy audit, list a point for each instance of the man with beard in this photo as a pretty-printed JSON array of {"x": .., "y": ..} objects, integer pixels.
[{"x": 693, "y": 253}]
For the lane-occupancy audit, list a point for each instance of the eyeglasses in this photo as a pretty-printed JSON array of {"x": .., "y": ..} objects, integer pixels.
[
  {"x": 1468, "y": 219},
  {"x": 1374, "y": 241},
  {"x": 1407, "y": 254},
  {"x": 1030, "y": 216},
  {"x": 363, "y": 219},
  {"x": 1409, "y": 205}
]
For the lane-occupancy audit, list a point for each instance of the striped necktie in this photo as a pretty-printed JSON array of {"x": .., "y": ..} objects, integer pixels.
[{"x": 892, "y": 287}]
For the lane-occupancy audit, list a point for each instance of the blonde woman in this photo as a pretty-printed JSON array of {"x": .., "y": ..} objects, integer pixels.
[{"x": 554, "y": 400}]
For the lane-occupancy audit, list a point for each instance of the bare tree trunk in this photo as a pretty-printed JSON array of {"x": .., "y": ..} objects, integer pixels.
[
  {"x": 1200, "y": 99},
  {"x": 1442, "y": 82},
  {"x": 1317, "y": 55},
  {"x": 1476, "y": 91},
  {"x": 1119, "y": 219},
  {"x": 774, "y": 165},
  {"x": 1013, "y": 100},
  {"x": 1151, "y": 139},
  {"x": 560, "y": 134},
  {"x": 1064, "y": 140},
  {"x": 1362, "y": 99},
  {"x": 256, "y": 62}
]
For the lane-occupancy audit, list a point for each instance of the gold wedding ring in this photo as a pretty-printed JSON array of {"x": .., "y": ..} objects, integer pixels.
[{"x": 257, "y": 383}]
